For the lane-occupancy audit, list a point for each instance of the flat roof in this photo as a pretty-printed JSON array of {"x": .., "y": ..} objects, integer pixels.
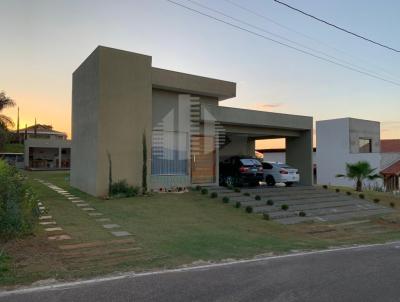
[{"x": 193, "y": 84}]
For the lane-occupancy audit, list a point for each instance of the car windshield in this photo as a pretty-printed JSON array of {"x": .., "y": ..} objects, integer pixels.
[{"x": 250, "y": 162}]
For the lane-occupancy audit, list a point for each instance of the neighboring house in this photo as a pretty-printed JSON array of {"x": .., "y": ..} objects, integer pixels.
[
  {"x": 346, "y": 140},
  {"x": 13, "y": 158},
  {"x": 120, "y": 102},
  {"x": 47, "y": 153},
  {"x": 390, "y": 163},
  {"x": 37, "y": 131},
  {"x": 44, "y": 148}
]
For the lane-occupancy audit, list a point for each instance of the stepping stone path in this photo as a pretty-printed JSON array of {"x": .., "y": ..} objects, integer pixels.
[
  {"x": 59, "y": 237},
  {"x": 81, "y": 205},
  {"x": 88, "y": 209},
  {"x": 111, "y": 226},
  {"x": 121, "y": 233},
  {"x": 103, "y": 219},
  {"x": 318, "y": 204},
  {"x": 95, "y": 214},
  {"x": 53, "y": 229},
  {"x": 47, "y": 222},
  {"x": 45, "y": 217}
]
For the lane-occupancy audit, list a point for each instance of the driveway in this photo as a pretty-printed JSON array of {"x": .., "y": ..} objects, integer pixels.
[{"x": 369, "y": 273}]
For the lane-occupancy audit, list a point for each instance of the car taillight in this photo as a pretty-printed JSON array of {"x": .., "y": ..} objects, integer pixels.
[
  {"x": 282, "y": 171},
  {"x": 243, "y": 169}
]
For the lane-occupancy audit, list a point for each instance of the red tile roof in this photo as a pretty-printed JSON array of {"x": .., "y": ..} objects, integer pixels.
[
  {"x": 390, "y": 145},
  {"x": 392, "y": 170}
]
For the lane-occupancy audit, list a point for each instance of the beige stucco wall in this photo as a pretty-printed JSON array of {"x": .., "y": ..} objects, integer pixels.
[
  {"x": 85, "y": 120},
  {"x": 364, "y": 129},
  {"x": 238, "y": 145},
  {"x": 111, "y": 111}
]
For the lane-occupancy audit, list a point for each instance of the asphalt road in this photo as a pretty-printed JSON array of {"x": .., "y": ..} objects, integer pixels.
[{"x": 362, "y": 274}]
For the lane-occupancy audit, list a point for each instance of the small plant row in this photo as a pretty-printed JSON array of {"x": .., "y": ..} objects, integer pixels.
[{"x": 249, "y": 209}]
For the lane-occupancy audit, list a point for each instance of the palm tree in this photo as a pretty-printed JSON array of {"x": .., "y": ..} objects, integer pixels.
[
  {"x": 359, "y": 172},
  {"x": 5, "y": 102}
]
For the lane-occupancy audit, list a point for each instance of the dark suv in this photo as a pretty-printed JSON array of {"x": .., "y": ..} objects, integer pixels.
[{"x": 238, "y": 170}]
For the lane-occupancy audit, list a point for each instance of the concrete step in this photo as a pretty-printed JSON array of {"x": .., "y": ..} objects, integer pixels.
[
  {"x": 333, "y": 217},
  {"x": 278, "y": 189},
  {"x": 291, "y": 197},
  {"x": 316, "y": 212},
  {"x": 314, "y": 206},
  {"x": 296, "y": 194}
]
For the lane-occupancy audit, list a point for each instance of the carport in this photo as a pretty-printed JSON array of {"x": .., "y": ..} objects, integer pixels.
[{"x": 243, "y": 127}]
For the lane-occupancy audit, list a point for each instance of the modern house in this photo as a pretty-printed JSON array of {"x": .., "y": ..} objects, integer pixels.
[
  {"x": 47, "y": 153},
  {"x": 37, "y": 131},
  {"x": 44, "y": 148},
  {"x": 346, "y": 140},
  {"x": 124, "y": 108},
  {"x": 390, "y": 163}
]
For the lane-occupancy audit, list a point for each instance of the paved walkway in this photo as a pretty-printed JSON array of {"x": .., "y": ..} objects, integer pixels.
[{"x": 84, "y": 206}]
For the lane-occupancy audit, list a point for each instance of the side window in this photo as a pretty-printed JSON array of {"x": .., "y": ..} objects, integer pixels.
[
  {"x": 267, "y": 166},
  {"x": 365, "y": 145}
]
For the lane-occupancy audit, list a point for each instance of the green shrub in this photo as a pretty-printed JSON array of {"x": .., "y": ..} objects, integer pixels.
[
  {"x": 285, "y": 207},
  {"x": 270, "y": 202},
  {"x": 198, "y": 188},
  {"x": 337, "y": 190},
  {"x": 348, "y": 193},
  {"x": 237, "y": 190},
  {"x": 214, "y": 195},
  {"x": 302, "y": 214},
  {"x": 225, "y": 199},
  {"x": 204, "y": 191},
  {"x": 246, "y": 194},
  {"x": 392, "y": 204},
  {"x": 266, "y": 216},
  {"x": 4, "y": 263},
  {"x": 238, "y": 204},
  {"x": 362, "y": 196},
  {"x": 19, "y": 211},
  {"x": 325, "y": 186},
  {"x": 121, "y": 189},
  {"x": 257, "y": 197},
  {"x": 377, "y": 200},
  {"x": 249, "y": 209}
]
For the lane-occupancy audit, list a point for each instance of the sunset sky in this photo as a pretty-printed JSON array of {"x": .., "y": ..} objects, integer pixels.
[{"x": 43, "y": 42}]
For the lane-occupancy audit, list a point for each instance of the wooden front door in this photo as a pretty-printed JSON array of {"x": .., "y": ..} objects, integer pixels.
[{"x": 203, "y": 159}]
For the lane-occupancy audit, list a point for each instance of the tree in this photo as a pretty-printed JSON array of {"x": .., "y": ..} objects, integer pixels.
[
  {"x": 5, "y": 121},
  {"x": 5, "y": 102},
  {"x": 359, "y": 172}
]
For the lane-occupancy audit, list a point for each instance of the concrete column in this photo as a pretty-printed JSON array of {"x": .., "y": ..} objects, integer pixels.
[
  {"x": 59, "y": 158},
  {"x": 299, "y": 155}
]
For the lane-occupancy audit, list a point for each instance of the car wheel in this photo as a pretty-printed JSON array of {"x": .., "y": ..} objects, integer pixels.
[
  {"x": 229, "y": 181},
  {"x": 270, "y": 180},
  {"x": 254, "y": 184},
  {"x": 289, "y": 184}
]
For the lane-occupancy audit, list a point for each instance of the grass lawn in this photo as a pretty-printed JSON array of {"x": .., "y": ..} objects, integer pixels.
[{"x": 168, "y": 230}]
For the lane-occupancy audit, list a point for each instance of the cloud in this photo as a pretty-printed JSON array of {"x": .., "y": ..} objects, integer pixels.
[{"x": 268, "y": 106}]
